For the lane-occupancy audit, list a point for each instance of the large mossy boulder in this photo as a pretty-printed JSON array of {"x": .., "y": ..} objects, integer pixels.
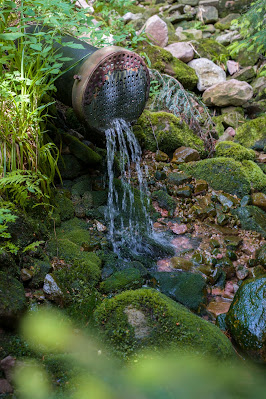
[
  {"x": 251, "y": 132},
  {"x": 165, "y": 62},
  {"x": 246, "y": 318},
  {"x": 234, "y": 150},
  {"x": 184, "y": 287},
  {"x": 222, "y": 174},
  {"x": 12, "y": 300},
  {"x": 252, "y": 218},
  {"x": 255, "y": 175},
  {"x": 128, "y": 279},
  {"x": 81, "y": 151},
  {"x": 147, "y": 319},
  {"x": 167, "y": 130}
]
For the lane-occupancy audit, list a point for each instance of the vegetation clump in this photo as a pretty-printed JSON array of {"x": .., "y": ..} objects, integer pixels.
[{"x": 251, "y": 131}]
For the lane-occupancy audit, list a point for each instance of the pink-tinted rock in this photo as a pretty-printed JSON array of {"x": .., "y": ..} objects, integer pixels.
[
  {"x": 182, "y": 50},
  {"x": 232, "y": 92},
  {"x": 157, "y": 31},
  {"x": 179, "y": 228}
]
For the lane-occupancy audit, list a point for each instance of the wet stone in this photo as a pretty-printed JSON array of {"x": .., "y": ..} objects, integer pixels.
[
  {"x": 232, "y": 242},
  {"x": 161, "y": 156},
  {"x": 259, "y": 199},
  {"x": 185, "y": 154},
  {"x": 178, "y": 178},
  {"x": 242, "y": 272},
  {"x": 217, "y": 308},
  {"x": 200, "y": 186},
  {"x": 26, "y": 274},
  {"x": 181, "y": 263},
  {"x": 184, "y": 192}
]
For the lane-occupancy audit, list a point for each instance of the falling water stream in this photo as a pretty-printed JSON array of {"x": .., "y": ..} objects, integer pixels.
[{"x": 127, "y": 213}]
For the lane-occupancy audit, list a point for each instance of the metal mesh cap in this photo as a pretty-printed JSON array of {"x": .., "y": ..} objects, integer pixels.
[{"x": 113, "y": 84}]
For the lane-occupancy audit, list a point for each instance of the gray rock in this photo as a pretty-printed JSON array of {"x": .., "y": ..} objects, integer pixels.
[
  {"x": 180, "y": 34},
  {"x": 228, "y": 135},
  {"x": 208, "y": 73},
  {"x": 228, "y": 38},
  {"x": 232, "y": 92},
  {"x": 259, "y": 85},
  {"x": 213, "y": 3},
  {"x": 207, "y": 14},
  {"x": 182, "y": 50},
  {"x": 157, "y": 31},
  {"x": 245, "y": 74},
  {"x": 51, "y": 288}
]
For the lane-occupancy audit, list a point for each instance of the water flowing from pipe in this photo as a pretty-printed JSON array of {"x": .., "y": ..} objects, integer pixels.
[{"x": 127, "y": 208}]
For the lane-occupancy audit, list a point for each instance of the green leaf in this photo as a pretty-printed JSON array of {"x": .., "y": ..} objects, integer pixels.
[
  {"x": 11, "y": 36},
  {"x": 37, "y": 47}
]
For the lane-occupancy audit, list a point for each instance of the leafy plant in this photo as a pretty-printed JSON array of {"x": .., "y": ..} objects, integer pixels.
[
  {"x": 24, "y": 185},
  {"x": 170, "y": 94},
  {"x": 252, "y": 29},
  {"x": 5, "y": 245}
]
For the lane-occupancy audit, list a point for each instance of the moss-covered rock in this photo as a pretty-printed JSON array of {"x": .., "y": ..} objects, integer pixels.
[
  {"x": 184, "y": 287},
  {"x": 165, "y": 62},
  {"x": 233, "y": 150},
  {"x": 246, "y": 318},
  {"x": 128, "y": 279},
  {"x": 145, "y": 318},
  {"x": 169, "y": 131},
  {"x": 211, "y": 49},
  {"x": 251, "y": 131},
  {"x": 251, "y": 218},
  {"x": 222, "y": 174},
  {"x": 12, "y": 300},
  {"x": 74, "y": 230},
  {"x": 255, "y": 175},
  {"x": 81, "y": 151},
  {"x": 69, "y": 166}
]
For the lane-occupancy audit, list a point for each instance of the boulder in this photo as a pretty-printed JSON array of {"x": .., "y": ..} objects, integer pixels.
[
  {"x": 222, "y": 174},
  {"x": 261, "y": 256},
  {"x": 246, "y": 319},
  {"x": 157, "y": 31},
  {"x": 145, "y": 318},
  {"x": 12, "y": 300},
  {"x": 232, "y": 92},
  {"x": 184, "y": 287},
  {"x": 182, "y": 50},
  {"x": 208, "y": 73},
  {"x": 189, "y": 2},
  {"x": 207, "y": 14}
]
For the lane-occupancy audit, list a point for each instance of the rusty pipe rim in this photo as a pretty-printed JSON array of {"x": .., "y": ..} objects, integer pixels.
[{"x": 112, "y": 83}]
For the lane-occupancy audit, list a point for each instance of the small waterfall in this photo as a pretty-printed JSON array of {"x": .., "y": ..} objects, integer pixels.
[{"x": 127, "y": 214}]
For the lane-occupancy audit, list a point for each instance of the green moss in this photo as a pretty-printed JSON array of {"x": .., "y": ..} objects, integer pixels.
[
  {"x": 255, "y": 175},
  {"x": 211, "y": 49},
  {"x": 123, "y": 280},
  {"x": 74, "y": 230},
  {"x": 251, "y": 131},
  {"x": 226, "y": 22},
  {"x": 222, "y": 174},
  {"x": 164, "y": 323},
  {"x": 169, "y": 131},
  {"x": 81, "y": 151},
  {"x": 70, "y": 252},
  {"x": 219, "y": 127},
  {"x": 184, "y": 74},
  {"x": 233, "y": 150},
  {"x": 12, "y": 300},
  {"x": 164, "y": 62},
  {"x": 64, "y": 205}
]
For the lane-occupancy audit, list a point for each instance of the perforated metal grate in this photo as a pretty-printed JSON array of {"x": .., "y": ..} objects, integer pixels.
[{"x": 117, "y": 88}]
